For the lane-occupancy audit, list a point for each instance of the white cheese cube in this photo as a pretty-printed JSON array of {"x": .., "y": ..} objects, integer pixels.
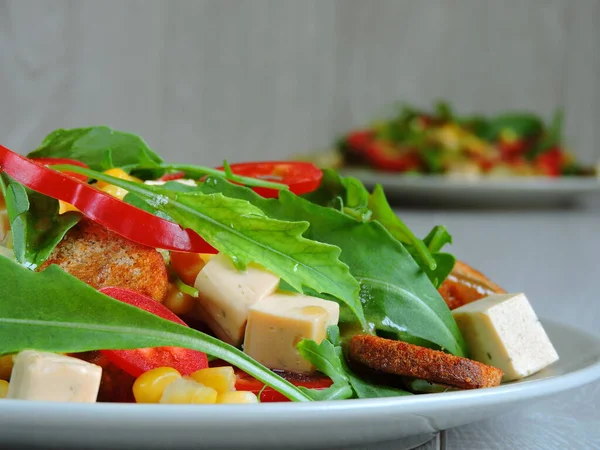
[
  {"x": 226, "y": 294},
  {"x": 52, "y": 377},
  {"x": 502, "y": 330},
  {"x": 277, "y": 324}
]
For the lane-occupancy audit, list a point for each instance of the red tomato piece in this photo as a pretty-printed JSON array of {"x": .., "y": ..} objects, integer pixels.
[
  {"x": 140, "y": 360},
  {"x": 550, "y": 162},
  {"x": 301, "y": 177},
  {"x": 384, "y": 156},
  {"x": 246, "y": 382},
  {"x": 172, "y": 176},
  {"x": 360, "y": 140},
  {"x": 54, "y": 161}
]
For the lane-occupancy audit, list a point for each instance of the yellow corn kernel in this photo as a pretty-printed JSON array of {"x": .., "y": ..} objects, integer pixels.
[
  {"x": 221, "y": 379},
  {"x": 186, "y": 391},
  {"x": 117, "y": 173},
  {"x": 3, "y": 388},
  {"x": 64, "y": 207},
  {"x": 6, "y": 365},
  {"x": 177, "y": 301},
  {"x": 206, "y": 257},
  {"x": 149, "y": 386},
  {"x": 115, "y": 191},
  {"x": 246, "y": 397}
]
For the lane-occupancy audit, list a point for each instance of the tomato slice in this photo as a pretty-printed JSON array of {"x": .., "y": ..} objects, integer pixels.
[
  {"x": 246, "y": 382},
  {"x": 384, "y": 156},
  {"x": 172, "y": 176},
  {"x": 301, "y": 177},
  {"x": 54, "y": 161},
  {"x": 120, "y": 217},
  {"x": 140, "y": 360}
]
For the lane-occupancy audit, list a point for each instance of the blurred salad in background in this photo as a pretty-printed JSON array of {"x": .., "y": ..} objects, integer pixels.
[{"x": 442, "y": 142}]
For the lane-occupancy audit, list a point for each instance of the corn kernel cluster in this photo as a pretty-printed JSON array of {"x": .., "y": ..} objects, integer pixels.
[
  {"x": 111, "y": 189},
  {"x": 205, "y": 386},
  {"x": 3, "y": 388}
]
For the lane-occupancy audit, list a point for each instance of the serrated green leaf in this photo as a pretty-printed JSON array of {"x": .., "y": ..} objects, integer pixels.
[{"x": 245, "y": 234}]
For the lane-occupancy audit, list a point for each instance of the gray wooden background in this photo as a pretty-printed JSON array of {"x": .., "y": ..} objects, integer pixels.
[{"x": 242, "y": 79}]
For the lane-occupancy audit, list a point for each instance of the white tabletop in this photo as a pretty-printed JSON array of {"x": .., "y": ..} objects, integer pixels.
[{"x": 552, "y": 256}]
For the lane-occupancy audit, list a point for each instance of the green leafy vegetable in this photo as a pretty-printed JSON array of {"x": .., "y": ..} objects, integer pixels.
[
  {"x": 434, "y": 241},
  {"x": 524, "y": 125},
  {"x": 53, "y": 311},
  {"x": 244, "y": 233},
  {"x": 552, "y": 136},
  {"x": 383, "y": 213},
  {"x": 397, "y": 296},
  {"x": 328, "y": 358},
  {"x": 334, "y": 192},
  {"x": 35, "y": 223},
  {"x": 99, "y": 147}
]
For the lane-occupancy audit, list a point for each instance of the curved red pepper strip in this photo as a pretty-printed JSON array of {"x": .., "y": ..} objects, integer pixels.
[{"x": 124, "y": 219}]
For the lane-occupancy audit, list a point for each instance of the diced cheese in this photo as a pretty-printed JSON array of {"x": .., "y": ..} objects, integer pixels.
[
  {"x": 277, "y": 324},
  {"x": 52, "y": 377},
  {"x": 502, "y": 330},
  {"x": 226, "y": 294}
]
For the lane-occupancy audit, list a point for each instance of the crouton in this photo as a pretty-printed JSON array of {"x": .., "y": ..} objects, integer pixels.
[
  {"x": 465, "y": 285},
  {"x": 401, "y": 358},
  {"x": 101, "y": 258}
]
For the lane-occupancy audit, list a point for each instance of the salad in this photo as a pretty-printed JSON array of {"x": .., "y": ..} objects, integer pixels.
[
  {"x": 128, "y": 279},
  {"x": 441, "y": 142}
]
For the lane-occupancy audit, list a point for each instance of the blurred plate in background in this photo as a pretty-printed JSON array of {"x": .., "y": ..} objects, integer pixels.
[{"x": 482, "y": 192}]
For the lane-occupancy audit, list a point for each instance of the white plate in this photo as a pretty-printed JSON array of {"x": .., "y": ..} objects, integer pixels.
[
  {"x": 293, "y": 425},
  {"x": 480, "y": 191}
]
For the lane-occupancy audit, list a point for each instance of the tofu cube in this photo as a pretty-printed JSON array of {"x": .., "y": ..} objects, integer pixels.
[
  {"x": 502, "y": 330},
  {"x": 277, "y": 324},
  {"x": 53, "y": 377},
  {"x": 226, "y": 295}
]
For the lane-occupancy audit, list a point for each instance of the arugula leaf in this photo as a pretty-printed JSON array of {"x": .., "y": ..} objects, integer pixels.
[
  {"x": 383, "y": 213},
  {"x": 99, "y": 147},
  {"x": 56, "y": 312},
  {"x": 397, "y": 296},
  {"x": 435, "y": 240},
  {"x": 245, "y": 234},
  {"x": 35, "y": 223},
  {"x": 334, "y": 191},
  {"x": 328, "y": 358}
]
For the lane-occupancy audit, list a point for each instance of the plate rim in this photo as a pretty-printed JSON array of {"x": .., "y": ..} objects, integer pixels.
[{"x": 581, "y": 184}]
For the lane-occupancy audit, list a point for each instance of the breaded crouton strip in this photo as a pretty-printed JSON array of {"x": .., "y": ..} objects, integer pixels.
[
  {"x": 400, "y": 358},
  {"x": 102, "y": 258},
  {"x": 465, "y": 285}
]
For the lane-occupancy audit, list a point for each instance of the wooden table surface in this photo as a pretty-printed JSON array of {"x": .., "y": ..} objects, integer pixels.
[{"x": 551, "y": 256}]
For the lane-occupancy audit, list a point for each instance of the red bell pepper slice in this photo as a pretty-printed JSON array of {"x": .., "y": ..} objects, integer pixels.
[
  {"x": 124, "y": 219},
  {"x": 301, "y": 177},
  {"x": 55, "y": 161},
  {"x": 140, "y": 360}
]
